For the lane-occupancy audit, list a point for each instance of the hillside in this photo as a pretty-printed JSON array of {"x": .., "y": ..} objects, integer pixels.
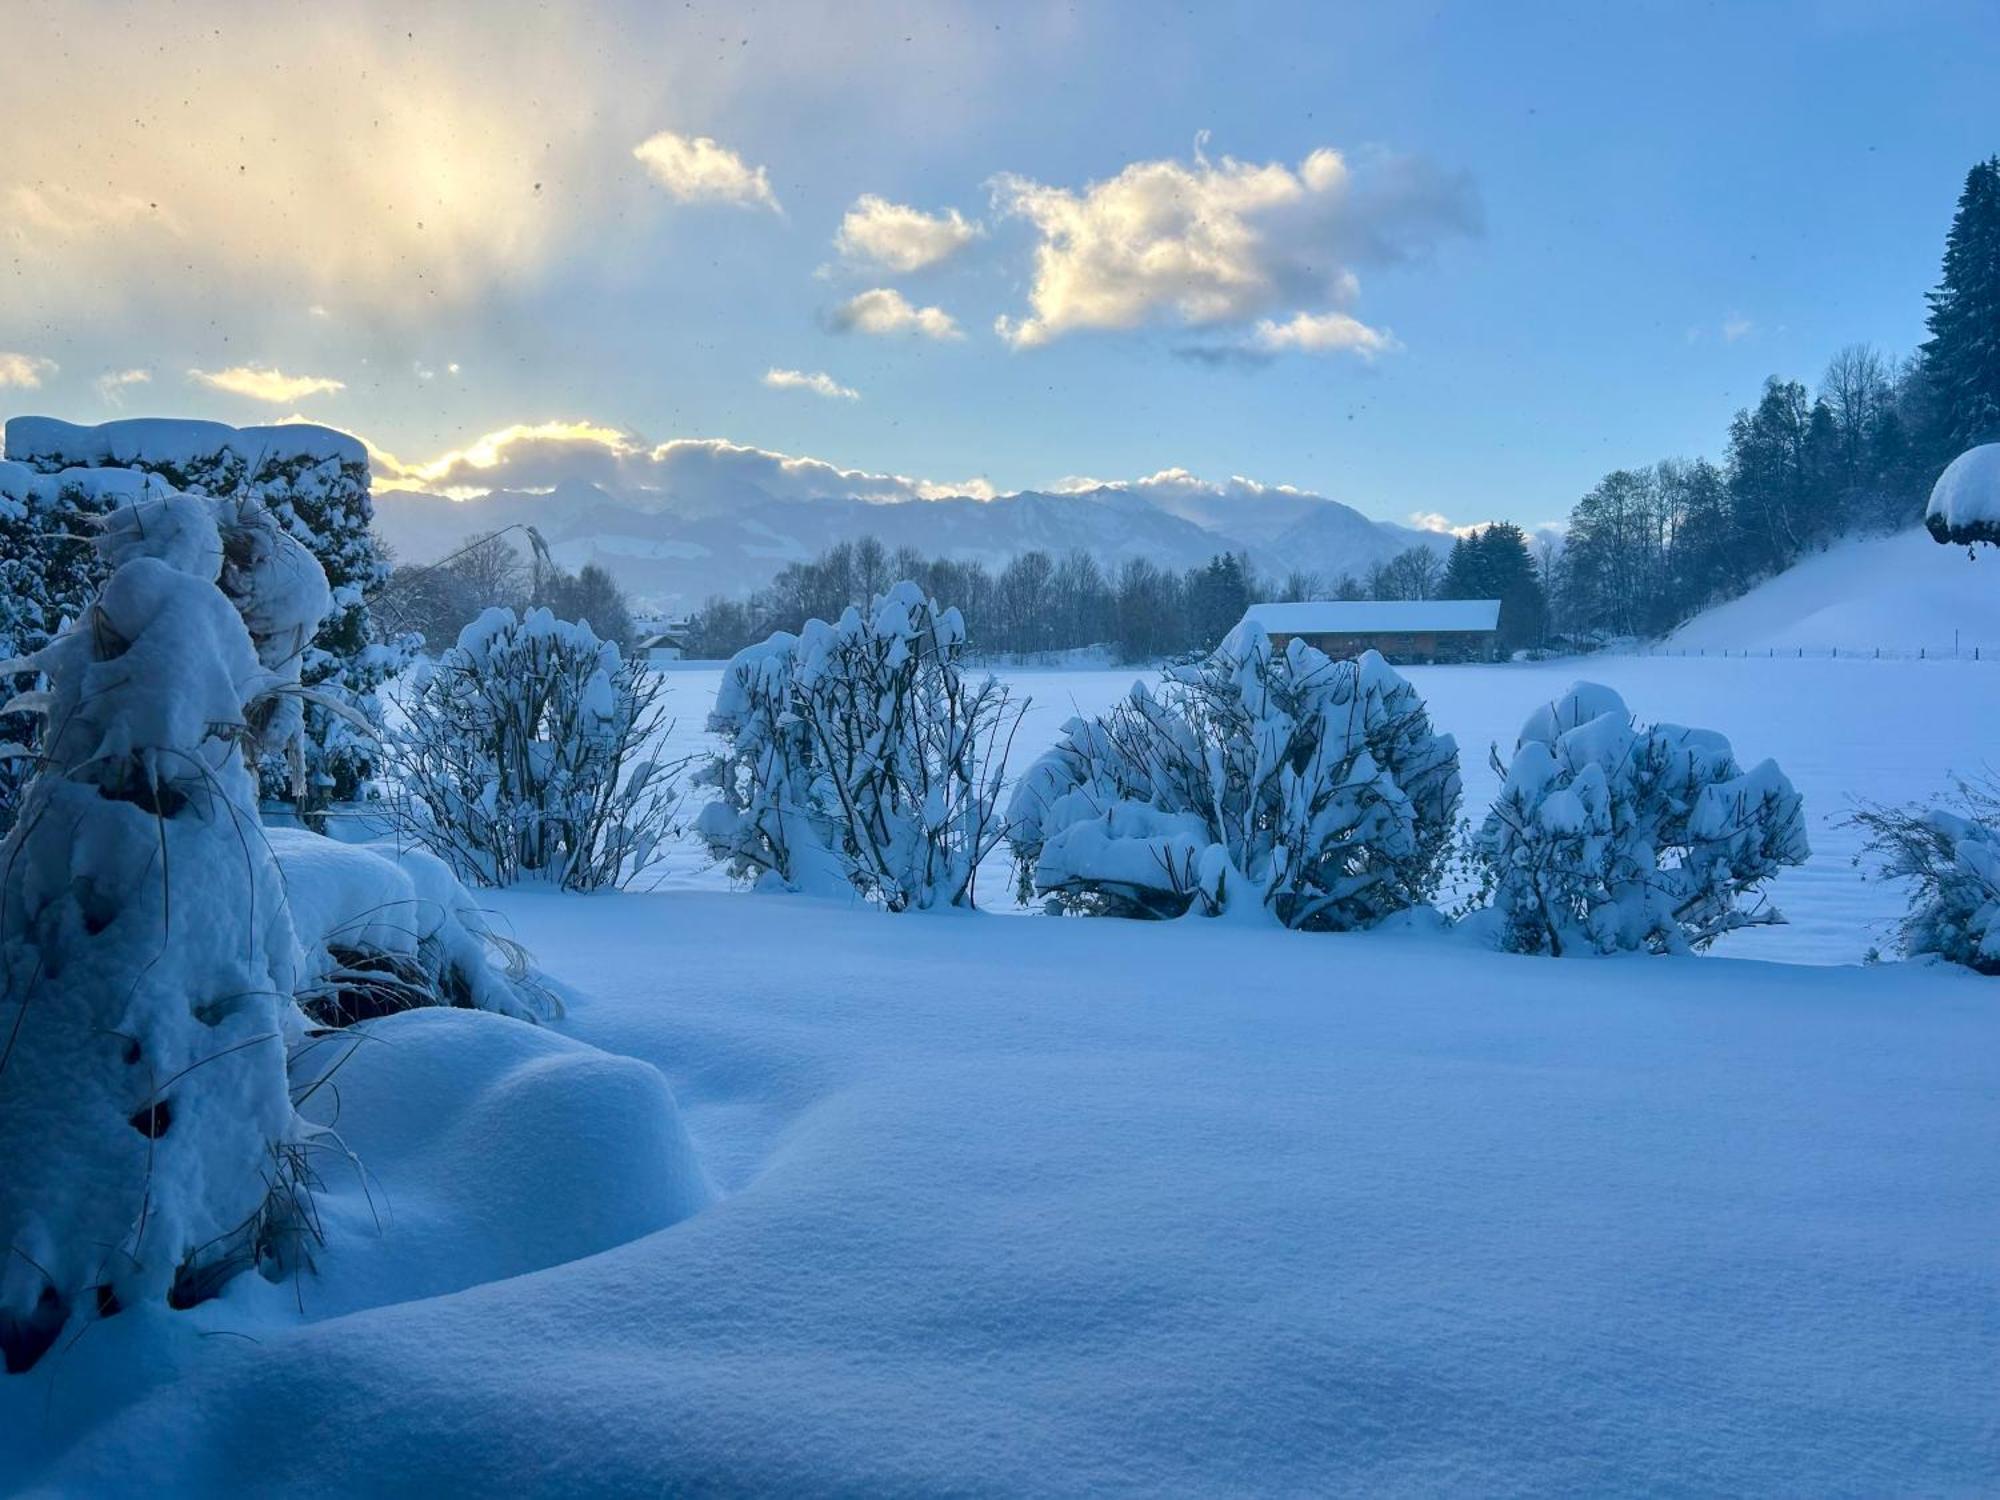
[
  {"x": 1901, "y": 593},
  {"x": 673, "y": 556}
]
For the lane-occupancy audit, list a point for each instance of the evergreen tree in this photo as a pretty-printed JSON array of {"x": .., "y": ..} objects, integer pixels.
[
  {"x": 1495, "y": 563},
  {"x": 1961, "y": 359},
  {"x": 48, "y": 574},
  {"x": 314, "y": 482}
]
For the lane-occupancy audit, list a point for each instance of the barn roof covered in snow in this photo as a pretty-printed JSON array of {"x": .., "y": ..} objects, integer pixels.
[{"x": 1375, "y": 616}]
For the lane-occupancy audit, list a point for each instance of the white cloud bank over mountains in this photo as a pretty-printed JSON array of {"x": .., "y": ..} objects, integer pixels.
[{"x": 679, "y": 520}]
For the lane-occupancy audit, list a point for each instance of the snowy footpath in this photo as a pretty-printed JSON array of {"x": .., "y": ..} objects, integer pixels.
[{"x": 807, "y": 1199}]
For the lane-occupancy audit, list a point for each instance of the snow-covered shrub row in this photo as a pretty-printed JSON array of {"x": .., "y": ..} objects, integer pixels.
[
  {"x": 1608, "y": 835},
  {"x": 525, "y": 755},
  {"x": 147, "y": 1133},
  {"x": 1952, "y": 860},
  {"x": 858, "y": 755},
  {"x": 1965, "y": 501},
  {"x": 1256, "y": 780},
  {"x": 315, "y": 482}
]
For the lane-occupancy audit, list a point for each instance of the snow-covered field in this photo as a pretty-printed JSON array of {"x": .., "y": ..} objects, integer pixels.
[
  {"x": 805, "y": 1198},
  {"x": 1886, "y": 731},
  {"x": 1104, "y": 1207}
]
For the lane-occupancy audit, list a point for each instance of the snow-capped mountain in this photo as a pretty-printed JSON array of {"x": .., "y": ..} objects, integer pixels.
[{"x": 672, "y": 556}]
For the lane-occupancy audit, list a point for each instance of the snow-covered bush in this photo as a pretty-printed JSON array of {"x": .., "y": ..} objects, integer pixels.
[
  {"x": 1952, "y": 860},
  {"x": 527, "y": 755},
  {"x": 1609, "y": 835},
  {"x": 384, "y": 929},
  {"x": 48, "y": 574},
  {"x": 1256, "y": 780},
  {"x": 859, "y": 755},
  {"x": 315, "y": 484},
  {"x": 148, "y": 1144},
  {"x": 1965, "y": 501}
]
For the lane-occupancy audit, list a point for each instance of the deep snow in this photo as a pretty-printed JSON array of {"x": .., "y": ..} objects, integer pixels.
[
  {"x": 1129, "y": 1207},
  {"x": 1897, "y": 594}
]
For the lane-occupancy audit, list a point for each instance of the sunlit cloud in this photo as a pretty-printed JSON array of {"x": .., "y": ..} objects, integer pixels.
[
  {"x": 699, "y": 169},
  {"x": 112, "y": 384},
  {"x": 705, "y": 471},
  {"x": 263, "y": 383},
  {"x": 357, "y": 157},
  {"x": 1322, "y": 333},
  {"x": 27, "y": 371},
  {"x": 884, "y": 311},
  {"x": 1223, "y": 242},
  {"x": 819, "y": 383},
  {"x": 897, "y": 237}
]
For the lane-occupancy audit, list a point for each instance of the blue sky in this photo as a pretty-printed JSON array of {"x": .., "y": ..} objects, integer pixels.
[{"x": 1549, "y": 240}]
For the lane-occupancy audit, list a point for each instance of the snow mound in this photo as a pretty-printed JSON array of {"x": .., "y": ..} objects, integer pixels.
[
  {"x": 1965, "y": 502},
  {"x": 1898, "y": 594},
  {"x": 485, "y": 1148}
]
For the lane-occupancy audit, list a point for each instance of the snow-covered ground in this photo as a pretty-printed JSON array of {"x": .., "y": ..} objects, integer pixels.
[
  {"x": 1898, "y": 594},
  {"x": 1104, "y": 1207},
  {"x": 1887, "y": 731}
]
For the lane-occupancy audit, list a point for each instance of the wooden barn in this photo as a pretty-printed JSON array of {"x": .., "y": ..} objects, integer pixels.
[{"x": 1403, "y": 630}]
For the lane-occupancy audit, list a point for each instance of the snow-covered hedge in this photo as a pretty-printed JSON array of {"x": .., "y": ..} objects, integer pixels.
[
  {"x": 526, "y": 754},
  {"x": 1256, "y": 780},
  {"x": 1952, "y": 860},
  {"x": 1965, "y": 501},
  {"x": 148, "y": 1144},
  {"x": 315, "y": 483},
  {"x": 1608, "y": 835},
  {"x": 858, "y": 755}
]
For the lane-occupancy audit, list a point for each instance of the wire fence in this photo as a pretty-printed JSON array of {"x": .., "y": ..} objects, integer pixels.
[{"x": 1957, "y": 651}]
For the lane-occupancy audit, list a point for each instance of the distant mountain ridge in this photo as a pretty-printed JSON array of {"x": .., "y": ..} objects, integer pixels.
[{"x": 670, "y": 556}]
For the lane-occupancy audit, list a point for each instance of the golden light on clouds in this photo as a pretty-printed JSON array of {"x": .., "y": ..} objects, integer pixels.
[{"x": 261, "y": 383}]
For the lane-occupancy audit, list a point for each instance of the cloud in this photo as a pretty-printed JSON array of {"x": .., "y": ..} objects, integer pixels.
[
  {"x": 111, "y": 385},
  {"x": 700, "y": 170},
  {"x": 885, "y": 311},
  {"x": 1222, "y": 243},
  {"x": 359, "y": 157},
  {"x": 819, "y": 383},
  {"x": 1323, "y": 333},
  {"x": 700, "y": 473},
  {"x": 1735, "y": 327},
  {"x": 263, "y": 383},
  {"x": 27, "y": 371},
  {"x": 899, "y": 238}
]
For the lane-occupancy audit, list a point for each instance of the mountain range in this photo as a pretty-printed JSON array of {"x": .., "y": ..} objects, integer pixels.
[{"x": 671, "y": 554}]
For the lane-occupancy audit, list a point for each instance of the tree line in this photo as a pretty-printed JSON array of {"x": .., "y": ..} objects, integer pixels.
[
  {"x": 1040, "y": 603},
  {"x": 1648, "y": 548}
]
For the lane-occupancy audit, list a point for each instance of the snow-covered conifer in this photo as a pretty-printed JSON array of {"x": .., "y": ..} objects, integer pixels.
[
  {"x": 147, "y": 961},
  {"x": 527, "y": 754},
  {"x": 315, "y": 484},
  {"x": 1256, "y": 780},
  {"x": 859, "y": 755},
  {"x": 1609, "y": 835}
]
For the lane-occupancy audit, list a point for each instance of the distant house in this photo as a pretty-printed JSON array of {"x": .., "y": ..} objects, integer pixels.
[
  {"x": 1403, "y": 630},
  {"x": 668, "y": 643}
]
